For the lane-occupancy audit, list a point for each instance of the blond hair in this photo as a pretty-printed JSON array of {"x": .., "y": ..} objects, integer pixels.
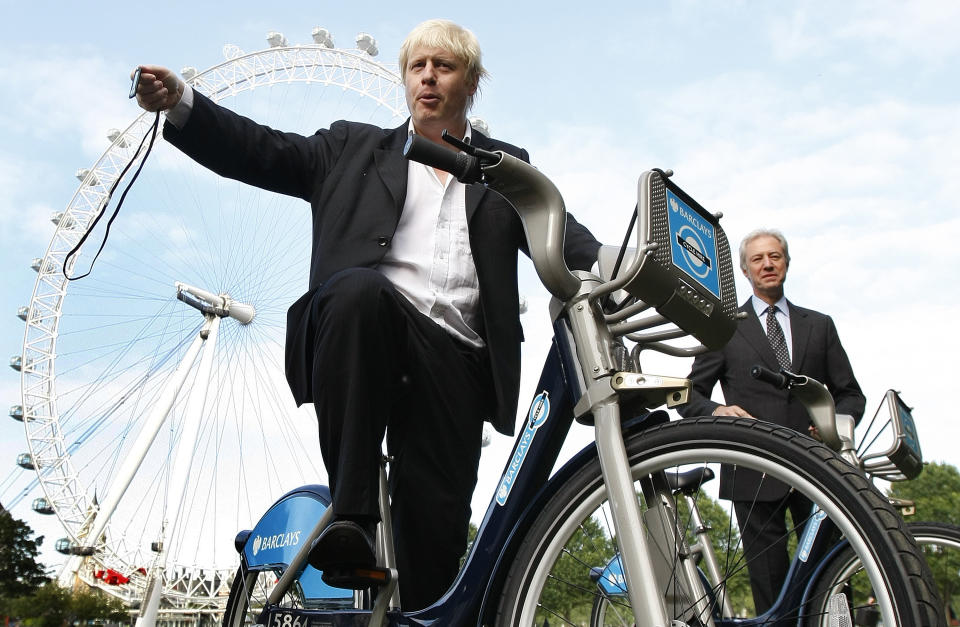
[{"x": 451, "y": 37}]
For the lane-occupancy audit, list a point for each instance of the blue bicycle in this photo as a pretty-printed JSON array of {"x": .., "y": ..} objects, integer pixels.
[{"x": 543, "y": 535}]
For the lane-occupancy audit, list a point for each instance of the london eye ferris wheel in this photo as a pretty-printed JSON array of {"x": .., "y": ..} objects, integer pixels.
[{"x": 156, "y": 431}]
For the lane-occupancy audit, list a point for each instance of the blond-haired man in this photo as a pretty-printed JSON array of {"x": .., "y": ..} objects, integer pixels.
[{"x": 411, "y": 319}]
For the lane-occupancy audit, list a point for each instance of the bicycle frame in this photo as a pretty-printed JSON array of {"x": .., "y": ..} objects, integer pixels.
[
  {"x": 580, "y": 379},
  {"x": 524, "y": 483},
  {"x": 586, "y": 376}
]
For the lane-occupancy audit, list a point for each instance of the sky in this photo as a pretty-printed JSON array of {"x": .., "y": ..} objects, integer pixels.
[{"x": 836, "y": 123}]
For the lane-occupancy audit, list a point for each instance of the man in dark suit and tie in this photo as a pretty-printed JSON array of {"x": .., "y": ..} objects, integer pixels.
[
  {"x": 412, "y": 316},
  {"x": 776, "y": 334}
]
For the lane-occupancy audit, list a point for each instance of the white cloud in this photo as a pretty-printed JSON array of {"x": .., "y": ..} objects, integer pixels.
[
  {"x": 891, "y": 33},
  {"x": 48, "y": 113},
  {"x": 925, "y": 30},
  {"x": 52, "y": 104}
]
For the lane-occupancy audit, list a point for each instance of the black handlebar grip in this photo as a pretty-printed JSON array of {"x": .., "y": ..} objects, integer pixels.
[
  {"x": 463, "y": 166},
  {"x": 766, "y": 375}
]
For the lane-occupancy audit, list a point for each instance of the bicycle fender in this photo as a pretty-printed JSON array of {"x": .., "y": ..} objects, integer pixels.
[{"x": 276, "y": 537}]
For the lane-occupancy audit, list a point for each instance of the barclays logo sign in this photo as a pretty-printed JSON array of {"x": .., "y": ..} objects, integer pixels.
[{"x": 278, "y": 541}]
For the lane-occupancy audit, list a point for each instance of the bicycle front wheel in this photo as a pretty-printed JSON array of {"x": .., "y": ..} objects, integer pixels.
[
  {"x": 563, "y": 571},
  {"x": 940, "y": 545}
]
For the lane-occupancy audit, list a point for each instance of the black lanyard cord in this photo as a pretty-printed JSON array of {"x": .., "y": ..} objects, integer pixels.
[{"x": 66, "y": 261}]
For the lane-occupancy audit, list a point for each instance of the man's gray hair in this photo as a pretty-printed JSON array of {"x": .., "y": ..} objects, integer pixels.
[{"x": 752, "y": 235}]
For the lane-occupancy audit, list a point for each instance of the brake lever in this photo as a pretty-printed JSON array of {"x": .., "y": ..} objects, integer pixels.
[{"x": 485, "y": 156}]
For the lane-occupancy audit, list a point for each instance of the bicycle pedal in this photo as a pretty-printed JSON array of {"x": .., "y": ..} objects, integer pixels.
[{"x": 357, "y": 578}]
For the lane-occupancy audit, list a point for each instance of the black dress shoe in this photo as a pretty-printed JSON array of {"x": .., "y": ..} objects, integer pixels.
[{"x": 346, "y": 555}]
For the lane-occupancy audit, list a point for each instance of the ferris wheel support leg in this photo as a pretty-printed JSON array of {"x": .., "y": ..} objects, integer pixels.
[
  {"x": 181, "y": 469},
  {"x": 139, "y": 449},
  {"x": 151, "y": 600}
]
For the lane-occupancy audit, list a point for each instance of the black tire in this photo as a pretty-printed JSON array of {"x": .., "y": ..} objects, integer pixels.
[
  {"x": 940, "y": 545},
  {"x": 235, "y": 612},
  {"x": 550, "y": 572}
]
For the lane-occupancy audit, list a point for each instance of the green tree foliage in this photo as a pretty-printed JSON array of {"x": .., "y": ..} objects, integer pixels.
[
  {"x": 86, "y": 605},
  {"x": 47, "y": 606},
  {"x": 53, "y": 606},
  {"x": 471, "y": 536},
  {"x": 20, "y": 573},
  {"x": 570, "y": 591},
  {"x": 27, "y": 594},
  {"x": 936, "y": 494}
]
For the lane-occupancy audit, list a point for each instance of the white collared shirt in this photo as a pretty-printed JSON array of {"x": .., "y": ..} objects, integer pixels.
[
  {"x": 783, "y": 317},
  {"x": 429, "y": 260}
]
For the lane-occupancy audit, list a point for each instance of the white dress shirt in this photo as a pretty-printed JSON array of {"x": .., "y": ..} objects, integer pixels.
[
  {"x": 429, "y": 260},
  {"x": 783, "y": 317}
]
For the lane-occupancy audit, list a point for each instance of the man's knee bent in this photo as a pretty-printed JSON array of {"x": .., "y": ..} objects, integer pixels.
[{"x": 352, "y": 292}]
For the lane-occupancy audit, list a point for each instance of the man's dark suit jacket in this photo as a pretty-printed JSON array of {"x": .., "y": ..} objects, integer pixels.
[
  {"x": 816, "y": 352},
  {"x": 355, "y": 176}
]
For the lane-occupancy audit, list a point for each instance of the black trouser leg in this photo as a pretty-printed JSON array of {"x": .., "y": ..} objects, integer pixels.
[
  {"x": 379, "y": 362},
  {"x": 435, "y": 446},
  {"x": 355, "y": 375}
]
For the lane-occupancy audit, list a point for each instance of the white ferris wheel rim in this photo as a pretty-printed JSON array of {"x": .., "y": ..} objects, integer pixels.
[{"x": 62, "y": 486}]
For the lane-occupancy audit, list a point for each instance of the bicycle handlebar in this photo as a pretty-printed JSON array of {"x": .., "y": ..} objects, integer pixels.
[
  {"x": 815, "y": 398},
  {"x": 766, "y": 375},
  {"x": 464, "y": 166}
]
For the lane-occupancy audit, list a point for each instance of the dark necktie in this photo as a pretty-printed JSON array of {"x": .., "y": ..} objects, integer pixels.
[{"x": 777, "y": 341}]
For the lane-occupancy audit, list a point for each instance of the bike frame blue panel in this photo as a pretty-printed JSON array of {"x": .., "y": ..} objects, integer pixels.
[
  {"x": 276, "y": 539},
  {"x": 612, "y": 581}
]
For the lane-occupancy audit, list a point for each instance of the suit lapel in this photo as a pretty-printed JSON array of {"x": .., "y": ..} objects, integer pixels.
[
  {"x": 392, "y": 166},
  {"x": 800, "y": 332},
  {"x": 475, "y": 192},
  {"x": 753, "y": 333},
  {"x": 474, "y": 195}
]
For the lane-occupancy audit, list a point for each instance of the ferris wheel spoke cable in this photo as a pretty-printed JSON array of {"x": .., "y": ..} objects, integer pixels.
[
  {"x": 111, "y": 448},
  {"x": 119, "y": 322},
  {"x": 286, "y": 426},
  {"x": 118, "y": 350},
  {"x": 112, "y": 373},
  {"x": 112, "y": 291}
]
